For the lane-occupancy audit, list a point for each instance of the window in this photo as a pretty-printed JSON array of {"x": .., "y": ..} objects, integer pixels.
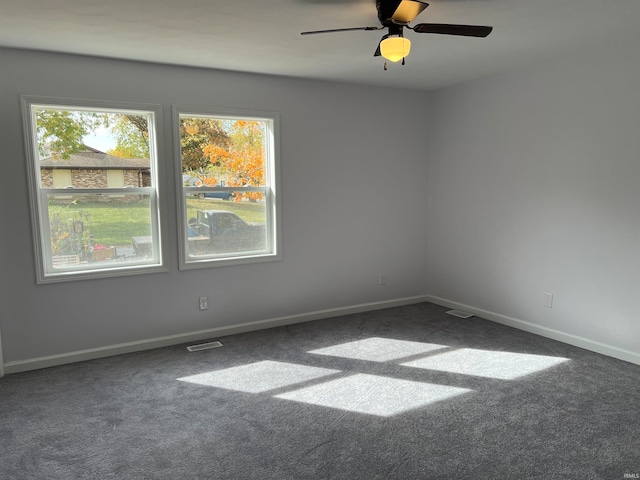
[
  {"x": 61, "y": 178},
  {"x": 115, "y": 179},
  {"x": 228, "y": 203},
  {"x": 93, "y": 185}
]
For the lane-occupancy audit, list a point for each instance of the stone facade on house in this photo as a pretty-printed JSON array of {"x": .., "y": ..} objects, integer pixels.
[
  {"x": 95, "y": 169},
  {"x": 96, "y": 178}
]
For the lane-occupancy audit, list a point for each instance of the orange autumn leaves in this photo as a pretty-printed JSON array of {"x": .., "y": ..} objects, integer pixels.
[{"x": 243, "y": 158}]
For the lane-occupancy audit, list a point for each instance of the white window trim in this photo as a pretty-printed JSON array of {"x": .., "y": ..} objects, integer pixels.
[
  {"x": 38, "y": 194},
  {"x": 272, "y": 194}
]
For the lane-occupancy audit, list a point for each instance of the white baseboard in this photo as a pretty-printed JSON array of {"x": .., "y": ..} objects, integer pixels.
[
  {"x": 574, "y": 340},
  {"x": 148, "y": 344}
]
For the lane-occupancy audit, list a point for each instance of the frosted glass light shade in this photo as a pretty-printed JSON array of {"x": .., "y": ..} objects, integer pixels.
[{"x": 395, "y": 48}]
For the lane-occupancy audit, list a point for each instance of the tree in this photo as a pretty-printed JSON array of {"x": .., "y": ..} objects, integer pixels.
[
  {"x": 195, "y": 135},
  {"x": 244, "y": 158},
  {"x": 132, "y": 136},
  {"x": 60, "y": 132}
]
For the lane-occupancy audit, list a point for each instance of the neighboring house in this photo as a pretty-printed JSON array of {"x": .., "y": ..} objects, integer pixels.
[{"x": 94, "y": 169}]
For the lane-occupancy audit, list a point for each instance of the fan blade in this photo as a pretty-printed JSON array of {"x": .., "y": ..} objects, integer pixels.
[
  {"x": 313, "y": 32},
  {"x": 408, "y": 10},
  {"x": 448, "y": 29}
]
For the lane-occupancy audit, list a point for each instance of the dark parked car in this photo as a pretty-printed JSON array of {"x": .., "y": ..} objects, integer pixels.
[{"x": 220, "y": 231}]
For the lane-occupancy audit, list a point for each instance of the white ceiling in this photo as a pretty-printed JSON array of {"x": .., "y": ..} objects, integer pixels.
[{"x": 264, "y": 35}]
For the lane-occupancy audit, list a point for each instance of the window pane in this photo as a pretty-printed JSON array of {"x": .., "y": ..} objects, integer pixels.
[
  {"x": 91, "y": 149},
  {"x": 223, "y": 151},
  {"x": 88, "y": 231},
  {"x": 217, "y": 227}
]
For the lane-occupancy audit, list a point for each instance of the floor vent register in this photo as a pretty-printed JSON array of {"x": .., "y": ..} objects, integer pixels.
[
  {"x": 204, "y": 346},
  {"x": 460, "y": 314}
]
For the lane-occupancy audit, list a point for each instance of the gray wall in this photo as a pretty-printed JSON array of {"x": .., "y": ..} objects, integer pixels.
[
  {"x": 353, "y": 196},
  {"x": 534, "y": 187},
  {"x": 531, "y": 183}
]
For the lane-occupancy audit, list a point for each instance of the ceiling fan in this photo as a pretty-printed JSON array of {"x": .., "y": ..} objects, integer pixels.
[{"x": 395, "y": 15}]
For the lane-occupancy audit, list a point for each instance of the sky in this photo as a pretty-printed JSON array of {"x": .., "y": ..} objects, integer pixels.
[{"x": 100, "y": 139}]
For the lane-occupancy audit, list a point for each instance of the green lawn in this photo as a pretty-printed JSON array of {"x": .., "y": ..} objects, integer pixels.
[
  {"x": 116, "y": 221},
  {"x": 248, "y": 211}
]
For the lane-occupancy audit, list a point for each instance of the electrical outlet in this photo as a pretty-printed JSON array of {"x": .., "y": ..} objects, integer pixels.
[
  {"x": 548, "y": 300},
  {"x": 204, "y": 303},
  {"x": 382, "y": 278}
]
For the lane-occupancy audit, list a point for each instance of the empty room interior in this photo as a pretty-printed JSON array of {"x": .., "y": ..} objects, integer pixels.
[{"x": 433, "y": 274}]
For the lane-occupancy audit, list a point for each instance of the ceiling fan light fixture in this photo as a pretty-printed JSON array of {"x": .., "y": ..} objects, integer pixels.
[{"x": 395, "y": 47}]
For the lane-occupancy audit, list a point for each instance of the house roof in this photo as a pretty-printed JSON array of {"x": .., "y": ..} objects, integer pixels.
[{"x": 92, "y": 158}]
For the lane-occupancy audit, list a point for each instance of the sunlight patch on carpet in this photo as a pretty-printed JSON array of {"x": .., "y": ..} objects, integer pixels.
[
  {"x": 377, "y": 349},
  {"x": 486, "y": 363},
  {"x": 373, "y": 395},
  {"x": 259, "y": 377}
]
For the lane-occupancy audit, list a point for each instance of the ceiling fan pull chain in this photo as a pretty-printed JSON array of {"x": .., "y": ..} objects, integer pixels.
[{"x": 402, "y": 60}]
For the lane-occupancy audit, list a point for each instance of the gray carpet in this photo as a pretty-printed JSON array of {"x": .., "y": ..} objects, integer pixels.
[{"x": 403, "y": 393}]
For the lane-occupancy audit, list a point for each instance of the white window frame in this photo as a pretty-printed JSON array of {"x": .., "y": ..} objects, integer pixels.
[
  {"x": 45, "y": 273},
  {"x": 271, "y": 190}
]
